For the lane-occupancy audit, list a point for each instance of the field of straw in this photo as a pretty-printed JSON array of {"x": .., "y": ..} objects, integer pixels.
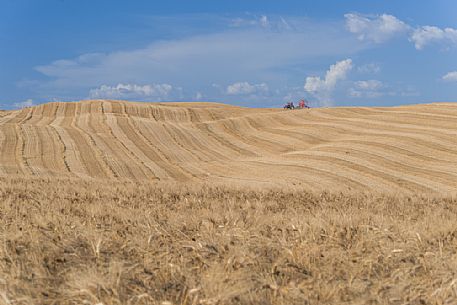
[
  {"x": 406, "y": 149},
  {"x": 70, "y": 241},
  {"x": 111, "y": 202}
]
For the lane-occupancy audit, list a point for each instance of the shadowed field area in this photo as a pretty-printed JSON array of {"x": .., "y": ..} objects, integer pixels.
[
  {"x": 69, "y": 241},
  {"x": 402, "y": 149}
]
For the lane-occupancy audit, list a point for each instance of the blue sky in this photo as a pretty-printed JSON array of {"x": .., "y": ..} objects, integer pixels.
[{"x": 251, "y": 53}]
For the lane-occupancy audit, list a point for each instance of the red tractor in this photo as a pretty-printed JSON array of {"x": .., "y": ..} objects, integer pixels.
[{"x": 303, "y": 104}]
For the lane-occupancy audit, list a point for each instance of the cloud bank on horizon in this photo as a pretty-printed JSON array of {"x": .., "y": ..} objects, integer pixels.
[{"x": 262, "y": 60}]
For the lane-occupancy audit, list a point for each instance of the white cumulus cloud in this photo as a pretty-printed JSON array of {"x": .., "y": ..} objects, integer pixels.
[
  {"x": 323, "y": 88},
  {"x": 157, "y": 91},
  {"x": 431, "y": 34},
  {"x": 245, "y": 88},
  {"x": 375, "y": 28},
  {"x": 381, "y": 28},
  {"x": 27, "y": 103},
  {"x": 450, "y": 77}
]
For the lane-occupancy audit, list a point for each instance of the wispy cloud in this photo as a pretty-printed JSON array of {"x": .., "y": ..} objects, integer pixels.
[
  {"x": 450, "y": 77},
  {"x": 378, "y": 28},
  {"x": 275, "y": 23},
  {"x": 367, "y": 89},
  {"x": 264, "y": 21},
  {"x": 372, "y": 89},
  {"x": 371, "y": 68},
  {"x": 322, "y": 88},
  {"x": 199, "y": 96},
  {"x": 245, "y": 88},
  {"x": 133, "y": 91},
  {"x": 26, "y": 103}
]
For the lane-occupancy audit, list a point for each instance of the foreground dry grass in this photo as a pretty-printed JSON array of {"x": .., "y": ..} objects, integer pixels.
[{"x": 76, "y": 242}]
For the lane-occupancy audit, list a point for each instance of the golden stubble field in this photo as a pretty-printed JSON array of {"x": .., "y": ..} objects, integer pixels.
[
  {"x": 106, "y": 202},
  {"x": 396, "y": 150}
]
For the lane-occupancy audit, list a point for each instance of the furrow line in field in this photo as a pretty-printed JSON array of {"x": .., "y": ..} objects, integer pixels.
[
  {"x": 331, "y": 176},
  {"x": 200, "y": 149},
  {"x": 139, "y": 168},
  {"x": 386, "y": 123},
  {"x": 31, "y": 150},
  {"x": 426, "y": 112},
  {"x": 189, "y": 143},
  {"x": 347, "y": 131},
  {"x": 99, "y": 132},
  {"x": 286, "y": 141},
  {"x": 394, "y": 148},
  {"x": 59, "y": 148},
  {"x": 48, "y": 114},
  {"x": 238, "y": 129},
  {"x": 208, "y": 144},
  {"x": 150, "y": 150},
  {"x": 226, "y": 144},
  {"x": 193, "y": 115},
  {"x": 18, "y": 117},
  {"x": 8, "y": 155},
  {"x": 63, "y": 125},
  {"x": 20, "y": 150},
  {"x": 63, "y": 148},
  {"x": 275, "y": 143},
  {"x": 301, "y": 138},
  {"x": 367, "y": 169},
  {"x": 269, "y": 174},
  {"x": 148, "y": 153},
  {"x": 230, "y": 131},
  {"x": 115, "y": 152},
  {"x": 225, "y": 141},
  {"x": 35, "y": 115},
  {"x": 417, "y": 115},
  {"x": 83, "y": 144},
  {"x": 53, "y": 158},
  {"x": 8, "y": 117},
  {"x": 172, "y": 156},
  {"x": 129, "y": 136},
  {"x": 29, "y": 115},
  {"x": 414, "y": 172},
  {"x": 82, "y": 124}
]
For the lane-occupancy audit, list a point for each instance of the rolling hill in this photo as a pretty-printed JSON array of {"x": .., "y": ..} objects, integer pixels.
[
  {"x": 398, "y": 149},
  {"x": 246, "y": 206}
]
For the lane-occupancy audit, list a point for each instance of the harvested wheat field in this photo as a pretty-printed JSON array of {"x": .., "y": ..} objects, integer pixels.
[
  {"x": 402, "y": 149},
  {"x": 111, "y": 202}
]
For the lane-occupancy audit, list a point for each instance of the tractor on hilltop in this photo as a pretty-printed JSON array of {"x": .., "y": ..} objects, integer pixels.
[{"x": 302, "y": 104}]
